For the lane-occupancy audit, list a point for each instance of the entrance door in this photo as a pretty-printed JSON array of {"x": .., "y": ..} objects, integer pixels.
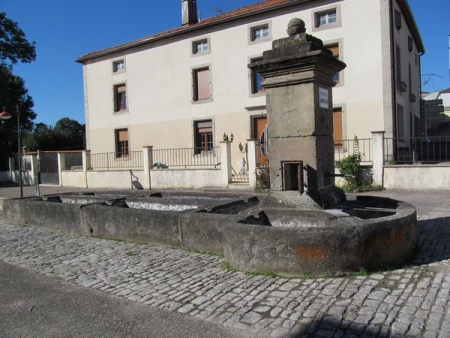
[{"x": 260, "y": 133}]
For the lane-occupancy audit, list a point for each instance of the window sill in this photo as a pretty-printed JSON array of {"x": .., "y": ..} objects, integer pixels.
[
  {"x": 194, "y": 55},
  {"x": 325, "y": 27},
  {"x": 266, "y": 39},
  {"x": 119, "y": 112},
  {"x": 202, "y": 101},
  {"x": 258, "y": 94}
]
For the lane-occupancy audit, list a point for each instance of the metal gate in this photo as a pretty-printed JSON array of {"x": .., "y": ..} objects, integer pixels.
[{"x": 48, "y": 168}]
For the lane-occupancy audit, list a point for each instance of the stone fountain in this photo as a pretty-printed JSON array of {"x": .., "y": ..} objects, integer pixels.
[{"x": 305, "y": 226}]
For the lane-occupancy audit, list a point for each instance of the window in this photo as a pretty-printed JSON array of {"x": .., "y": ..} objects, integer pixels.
[
  {"x": 398, "y": 19},
  {"x": 400, "y": 123},
  {"x": 335, "y": 50},
  {"x": 120, "y": 98},
  {"x": 201, "y": 84},
  {"x": 337, "y": 127},
  {"x": 118, "y": 66},
  {"x": 203, "y": 137},
  {"x": 326, "y": 18},
  {"x": 256, "y": 80},
  {"x": 260, "y": 33},
  {"x": 121, "y": 142},
  {"x": 410, "y": 43},
  {"x": 200, "y": 46}
]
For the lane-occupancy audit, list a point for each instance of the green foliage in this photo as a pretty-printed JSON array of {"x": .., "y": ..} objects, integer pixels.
[
  {"x": 67, "y": 134},
  {"x": 350, "y": 167},
  {"x": 262, "y": 179},
  {"x": 14, "y": 96},
  {"x": 225, "y": 265},
  {"x": 14, "y": 99},
  {"x": 14, "y": 46}
]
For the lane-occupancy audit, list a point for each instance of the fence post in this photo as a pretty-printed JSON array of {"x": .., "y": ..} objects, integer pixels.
[
  {"x": 61, "y": 165},
  {"x": 251, "y": 146},
  {"x": 34, "y": 169},
  {"x": 225, "y": 162},
  {"x": 85, "y": 154},
  {"x": 11, "y": 168},
  {"x": 148, "y": 162},
  {"x": 378, "y": 157}
]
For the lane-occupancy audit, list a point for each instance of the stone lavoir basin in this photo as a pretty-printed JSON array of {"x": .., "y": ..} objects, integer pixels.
[{"x": 257, "y": 233}]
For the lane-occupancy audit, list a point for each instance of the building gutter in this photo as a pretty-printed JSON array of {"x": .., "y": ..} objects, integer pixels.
[
  {"x": 186, "y": 30},
  {"x": 393, "y": 70}
]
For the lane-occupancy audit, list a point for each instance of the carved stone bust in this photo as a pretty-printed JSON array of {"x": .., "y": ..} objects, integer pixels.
[{"x": 296, "y": 26}]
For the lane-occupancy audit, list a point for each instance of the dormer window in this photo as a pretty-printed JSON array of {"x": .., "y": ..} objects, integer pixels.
[
  {"x": 326, "y": 18},
  {"x": 200, "y": 46},
  {"x": 260, "y": 33},
  {"x": 118, "y": 66}
]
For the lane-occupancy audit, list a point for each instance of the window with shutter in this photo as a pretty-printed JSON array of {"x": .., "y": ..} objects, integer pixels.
[
  {"x": 120, "y": 98},
  {"x": 202, "y": 84},
  {"x": 121, "y": 142},
  {"x": 203, "y": 135}
]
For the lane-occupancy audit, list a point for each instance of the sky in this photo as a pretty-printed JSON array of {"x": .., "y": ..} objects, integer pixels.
[{"x": 63, "y": 30}]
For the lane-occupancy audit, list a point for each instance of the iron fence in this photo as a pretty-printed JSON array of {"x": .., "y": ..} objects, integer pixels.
[
  {"x": 186, "y": 157},
  {"x": 417, "y": 150},
  {"x": 345, "y": 148},
  {"x": 134, "y": 159}
]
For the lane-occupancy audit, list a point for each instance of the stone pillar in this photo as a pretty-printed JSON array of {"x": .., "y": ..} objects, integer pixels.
[
  {"x": 298, "y": 82},
  {"x": 148, "y": 162},
  {"x": 251, "y": 153},
  {"x": 378, "y": 157},
  {"x": 225, "y": 162}
]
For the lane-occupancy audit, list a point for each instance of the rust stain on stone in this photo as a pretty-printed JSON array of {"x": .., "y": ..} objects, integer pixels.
[
  {"x": 389, "y": 242},
  {"x": 312, "y": 253}
]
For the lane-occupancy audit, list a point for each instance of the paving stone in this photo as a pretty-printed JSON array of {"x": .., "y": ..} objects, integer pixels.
[{"x": 402, "y": 302}]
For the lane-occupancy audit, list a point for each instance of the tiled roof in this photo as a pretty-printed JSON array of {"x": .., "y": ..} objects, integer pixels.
[{"x": 242, "y": 11}]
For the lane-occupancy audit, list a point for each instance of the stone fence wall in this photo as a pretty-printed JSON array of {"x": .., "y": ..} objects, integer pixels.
[{"x": 399, "y": 177}]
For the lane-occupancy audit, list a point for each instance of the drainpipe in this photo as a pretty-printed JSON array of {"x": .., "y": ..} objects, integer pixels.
[
  {"x": 422, "y": 106},
  {"x": 393, "y": 77}
]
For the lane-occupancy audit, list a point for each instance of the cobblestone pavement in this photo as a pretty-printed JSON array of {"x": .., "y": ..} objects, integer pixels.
[{"x": 408, "y": 302}]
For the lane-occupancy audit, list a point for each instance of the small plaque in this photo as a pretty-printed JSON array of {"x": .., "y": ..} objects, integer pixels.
[{"x": 324, "y": 101}]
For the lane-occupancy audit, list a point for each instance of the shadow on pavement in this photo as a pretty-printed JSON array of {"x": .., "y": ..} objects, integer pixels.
[{"x": 432, "y": 243}]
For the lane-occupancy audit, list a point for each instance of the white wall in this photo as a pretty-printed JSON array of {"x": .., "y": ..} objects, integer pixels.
[
  {"x": 159, "y": 80},
  {"x": 185, "y": 179},
  {"x": 417, "y": 177}
]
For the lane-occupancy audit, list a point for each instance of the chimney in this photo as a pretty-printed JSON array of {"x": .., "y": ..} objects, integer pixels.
[{"x": 188, "y": 12}]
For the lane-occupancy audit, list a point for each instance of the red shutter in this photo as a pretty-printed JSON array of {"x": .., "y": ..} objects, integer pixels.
[
  {"x": 123, "y": 135},
  {"x": 337, "y": 126},
  {"x": 203, "y": 84}
]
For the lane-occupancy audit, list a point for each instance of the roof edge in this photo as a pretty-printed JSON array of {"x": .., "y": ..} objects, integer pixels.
[
  {"x": 180, "y": 30},
  {"x": 406, "y": 9}
]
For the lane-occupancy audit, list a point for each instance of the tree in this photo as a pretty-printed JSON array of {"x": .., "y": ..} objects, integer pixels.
[
  {"x": 14, "y": 46},
  {"x": 13, "y": 94},
  {"x": 14, "y": 97},
  {"x": 67, "y": 134}
]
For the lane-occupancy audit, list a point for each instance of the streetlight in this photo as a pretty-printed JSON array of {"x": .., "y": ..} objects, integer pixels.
[{"x": 4, "y": 115}]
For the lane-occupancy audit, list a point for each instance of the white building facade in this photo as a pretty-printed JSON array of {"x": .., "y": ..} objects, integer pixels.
[{"x": 186, "y": 87}]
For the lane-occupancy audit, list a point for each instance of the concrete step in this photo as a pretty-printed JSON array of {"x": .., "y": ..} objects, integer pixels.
[{"x": 239, "y": 186}]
